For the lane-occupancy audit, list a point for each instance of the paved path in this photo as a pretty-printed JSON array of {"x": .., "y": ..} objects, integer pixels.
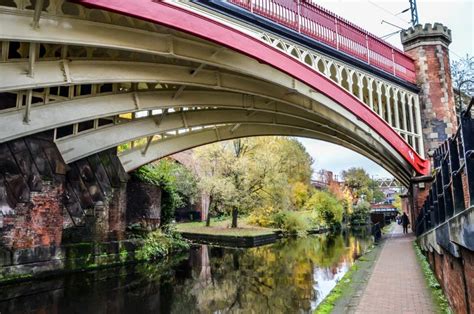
[{"x": 396, "y": 284}]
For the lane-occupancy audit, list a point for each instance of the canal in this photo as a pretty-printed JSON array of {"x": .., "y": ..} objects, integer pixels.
[{"x": 290, "y": 276}]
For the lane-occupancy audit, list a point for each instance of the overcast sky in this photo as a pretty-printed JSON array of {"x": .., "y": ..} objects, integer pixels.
[{"x": 458, "y": 15}]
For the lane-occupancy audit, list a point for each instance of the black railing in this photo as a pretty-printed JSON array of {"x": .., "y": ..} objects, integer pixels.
[{"x": 453, "y": 163}]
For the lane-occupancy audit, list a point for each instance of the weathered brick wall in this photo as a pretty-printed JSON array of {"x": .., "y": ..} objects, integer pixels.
[
  {"x": 453, "y": 282},
  {"x": 438, "y": 267},
  {"x": 468, "y": 263},
  {"x": 465, "y": 188},
  {"x": 32, "y": 185},
  {"x": 143, "y": 203},
  {"x": 45, "y": 202},
  {"x": 37, "y": 223},
  {"x": 456, "y": 277},
  {"x": 417, "y": 197},
  {"x": 95, "y": 198}
]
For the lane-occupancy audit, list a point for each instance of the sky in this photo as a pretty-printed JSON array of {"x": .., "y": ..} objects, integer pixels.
[{"x": 458, "y": 15}]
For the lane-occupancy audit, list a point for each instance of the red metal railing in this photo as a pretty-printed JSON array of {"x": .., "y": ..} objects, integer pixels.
[{"x": 316, "y": 22}]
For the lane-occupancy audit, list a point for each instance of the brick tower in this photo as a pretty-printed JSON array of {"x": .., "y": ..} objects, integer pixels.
[{"x": 428, "y": 45}]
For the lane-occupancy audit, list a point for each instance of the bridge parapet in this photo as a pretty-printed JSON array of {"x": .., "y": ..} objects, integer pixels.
[
  {"x": 314, "y": 21},
  {"x": 394, "y": 98}
]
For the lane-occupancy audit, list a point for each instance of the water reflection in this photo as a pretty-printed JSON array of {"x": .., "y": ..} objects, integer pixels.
[{"x": 292, "y": 275}]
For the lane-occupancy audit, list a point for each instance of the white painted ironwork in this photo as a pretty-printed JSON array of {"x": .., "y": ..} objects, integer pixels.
[{"x": 65, "y": 76}]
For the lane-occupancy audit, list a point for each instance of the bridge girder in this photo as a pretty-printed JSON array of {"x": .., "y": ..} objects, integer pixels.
[
  {"x": 134, "y": 158},
  {"x": 83, "y": 145},
  {"x": 192, "y": 63}
]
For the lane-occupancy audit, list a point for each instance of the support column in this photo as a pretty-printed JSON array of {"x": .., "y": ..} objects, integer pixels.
[
  {"x": 419, "y": 130},
  {"x": 395, "y": 108},
  {"x": 371, "y": 95},
  {"x": 404, "y": 115},
  {"x": 428, "y": 46},
  {"x": 360, "y": 85},
  {"x": 379, "y": 99},
  {"x": 410, "y": 117}
]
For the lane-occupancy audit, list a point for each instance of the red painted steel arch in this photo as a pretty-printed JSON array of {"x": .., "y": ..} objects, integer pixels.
[{"x": 197, "y": 25}]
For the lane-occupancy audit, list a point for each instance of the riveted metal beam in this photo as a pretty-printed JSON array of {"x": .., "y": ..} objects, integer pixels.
[{"x": 132, "y": 159}]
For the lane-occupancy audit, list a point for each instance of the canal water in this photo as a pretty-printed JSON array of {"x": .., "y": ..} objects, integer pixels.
[{"x": 289, "y": 276}]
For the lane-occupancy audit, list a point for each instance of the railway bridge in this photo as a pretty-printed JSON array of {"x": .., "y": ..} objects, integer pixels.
[{"x": 92, "y": 89}]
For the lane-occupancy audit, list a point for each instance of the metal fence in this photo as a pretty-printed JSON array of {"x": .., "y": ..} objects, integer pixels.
[
  {"x": 452, "y": 190},
  {"x": 314, "y": 21}
]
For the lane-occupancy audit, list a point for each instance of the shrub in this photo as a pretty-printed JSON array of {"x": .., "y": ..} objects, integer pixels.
[
  {"x": 326, "y": 207},
  {"x": 160, "y": 243},
  {"x": 291, "y": 222},
  {"x": 262, "y": 217},
  {"x": 176, "y": 182},
  {"x": 360, "y": 213}
]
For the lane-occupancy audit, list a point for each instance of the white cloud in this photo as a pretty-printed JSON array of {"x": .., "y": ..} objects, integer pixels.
[{"x": 337, "y": 158}]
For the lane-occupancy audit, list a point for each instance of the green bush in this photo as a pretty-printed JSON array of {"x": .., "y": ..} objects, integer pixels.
[
  {"x": 160, "y": 243},
  {"x": 177, "y": 184},
  {"x": 291, "y": 222},
  {"x": 326, "y": 208},
  {"x": 360, "y": 214}
]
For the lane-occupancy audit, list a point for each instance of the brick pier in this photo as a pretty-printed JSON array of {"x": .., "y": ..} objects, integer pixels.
[{"x": 396, "y": 284}]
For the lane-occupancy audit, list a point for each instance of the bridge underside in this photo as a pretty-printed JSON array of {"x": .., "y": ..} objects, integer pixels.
[{"x": 102, "y": 80}]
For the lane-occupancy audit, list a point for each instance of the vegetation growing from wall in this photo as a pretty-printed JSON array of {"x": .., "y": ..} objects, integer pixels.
[
  {"x": 176, "y": 181},
  {"x": 437, "y": 292},
  {"x": 160, "y": 243}
]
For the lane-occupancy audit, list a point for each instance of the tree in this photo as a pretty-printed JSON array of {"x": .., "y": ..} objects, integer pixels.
[
  {"x": 326, "y": 207},
  {"x": 362, "y": 186},
  {"x": 299, "y": 194},
  {"x": 357, "y": 180},
  {"x": 213, "y": 182},
  {"x": 246, "y": 174},
  {"x": 462, "y": 73},
  {"x": 343, "y": 195},
  {"x": 361, "y": 213}
]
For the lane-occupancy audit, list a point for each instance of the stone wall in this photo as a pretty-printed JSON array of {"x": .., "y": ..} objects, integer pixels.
[
  {"x": 143, "y": 204},
  {"x": 46, "y": 206}
]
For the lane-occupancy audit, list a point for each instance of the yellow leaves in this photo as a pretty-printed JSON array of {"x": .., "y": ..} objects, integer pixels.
[
  {"x": 262, "y": 216},
  {"x": 299, "y": 194}
]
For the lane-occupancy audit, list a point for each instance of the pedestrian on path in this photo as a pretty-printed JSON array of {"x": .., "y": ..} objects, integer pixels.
[{"x": 405, "y": 222}]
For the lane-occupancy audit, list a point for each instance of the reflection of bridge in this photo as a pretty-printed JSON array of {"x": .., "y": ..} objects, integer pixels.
[{"x": 102, "y": 79}]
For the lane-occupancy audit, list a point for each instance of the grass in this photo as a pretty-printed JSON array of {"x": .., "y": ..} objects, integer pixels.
[
  {"x": 339, "y": 290},
  {"x": 388, "y": 228},
  {"x": 436, "y": 291},
  {"x": 223, "y": 228}
]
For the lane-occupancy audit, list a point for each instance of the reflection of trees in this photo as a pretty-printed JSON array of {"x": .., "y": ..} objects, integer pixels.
[{"x": 275, "y": 278}]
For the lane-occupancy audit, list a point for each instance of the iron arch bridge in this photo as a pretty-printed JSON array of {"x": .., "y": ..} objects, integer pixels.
[{"x": 155, "y": 78}]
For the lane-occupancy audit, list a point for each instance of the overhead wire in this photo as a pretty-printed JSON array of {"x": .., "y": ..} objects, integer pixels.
[{"x": 387, "y": 11}]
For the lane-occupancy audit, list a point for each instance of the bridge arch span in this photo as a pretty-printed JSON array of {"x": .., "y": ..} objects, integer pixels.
[
  {"x": 207, "y": 57},
  {"x": 203, "y": 27},
  {"x": 136, "y": 157}
]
